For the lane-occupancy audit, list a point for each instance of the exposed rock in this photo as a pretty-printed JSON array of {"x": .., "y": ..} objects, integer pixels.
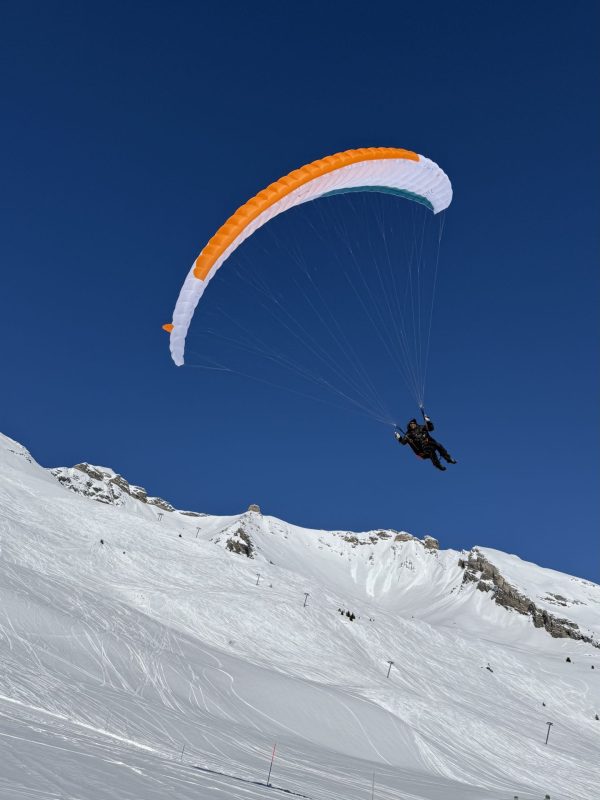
[
  {"x": 240, "y": 543},
  {"x": 193, "y": 514},
  {"x": 488, "y": 578},
  {"x": 254, "y": 507},
  {"x": 158, "y": 501},
  {"x": 94, "y": 472},
  {"x": 372, "y": 538},
  {"x": 429, "y": 543},
  {"x": 137, "y": 492},
  {"x": 21, "y": 451},
  {"x": 104, "y": 485},
  {"x": 556, "y": 599}
]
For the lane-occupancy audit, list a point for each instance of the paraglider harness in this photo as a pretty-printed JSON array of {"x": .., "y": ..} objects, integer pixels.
[{"x": 410, "y": 442}]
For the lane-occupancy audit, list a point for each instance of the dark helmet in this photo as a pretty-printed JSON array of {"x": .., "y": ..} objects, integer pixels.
[{"x": 412, "y": 422}]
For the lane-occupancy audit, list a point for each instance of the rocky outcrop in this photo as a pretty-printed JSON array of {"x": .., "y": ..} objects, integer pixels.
[
  {"x": 104, "y": 485},
  {"x": 488, "y": 579},
  {"x": 356, "y": 539},
  {"x": 254, "y": 507},
  {"x": 368, "y": 538},
  {"x": 404, "y": 537},
  {"x": 240, "y": 543},
  {"x": 429, "y": 543},
  {"x": 159, "y": 502}
]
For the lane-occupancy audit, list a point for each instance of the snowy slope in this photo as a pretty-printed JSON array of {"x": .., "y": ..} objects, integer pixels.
[{"x": 129, "y": 631}]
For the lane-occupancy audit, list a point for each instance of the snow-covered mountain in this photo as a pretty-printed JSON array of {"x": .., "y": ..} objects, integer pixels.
[{"x": 148, "y": 652}]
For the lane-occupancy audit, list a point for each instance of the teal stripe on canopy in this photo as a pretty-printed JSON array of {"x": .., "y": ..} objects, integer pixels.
[{"x": 417, "y": 198}]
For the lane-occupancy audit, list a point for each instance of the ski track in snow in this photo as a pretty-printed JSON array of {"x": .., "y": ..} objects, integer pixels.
[{"x": 153, "y": 666}]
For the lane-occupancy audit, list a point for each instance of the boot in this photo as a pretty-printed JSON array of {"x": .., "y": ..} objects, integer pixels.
[
  {"x": 436, "y": 463},
  {"x": 445, "y": 454}
]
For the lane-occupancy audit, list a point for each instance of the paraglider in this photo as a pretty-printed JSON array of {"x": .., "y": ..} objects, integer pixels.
[
  {"x": 422, "y": 444},
  {"x": 394, "y": 293}
]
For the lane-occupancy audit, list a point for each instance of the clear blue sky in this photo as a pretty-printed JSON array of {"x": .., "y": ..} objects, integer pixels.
[{"x": 132, "y": 130}]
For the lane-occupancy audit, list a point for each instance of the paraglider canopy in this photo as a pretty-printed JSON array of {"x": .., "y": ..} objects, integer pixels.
[{"x": 370, "y": 169}]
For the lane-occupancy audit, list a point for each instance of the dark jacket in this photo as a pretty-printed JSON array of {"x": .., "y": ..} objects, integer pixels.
[{"x": 418, "y": 437}]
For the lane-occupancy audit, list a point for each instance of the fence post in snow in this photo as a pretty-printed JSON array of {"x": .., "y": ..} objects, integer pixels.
[
  {"x": 549, "y": 724},
  {"x": 160, "y": 515},
  {"x": 306, "y": 596},
  {"x": 271, "y": 765},
  {"x": 389, "y": 668},
  {"x": 181, "y": 756},
  {"x": 197, "y": 531}
]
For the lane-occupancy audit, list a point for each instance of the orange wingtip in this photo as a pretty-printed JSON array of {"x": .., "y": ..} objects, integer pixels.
[{"x": 168, "y": 327}]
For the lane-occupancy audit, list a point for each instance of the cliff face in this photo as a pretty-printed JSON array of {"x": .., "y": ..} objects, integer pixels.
[
  {"x": 104, "y": 485},
  {"x": 478, "y": 569}
]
